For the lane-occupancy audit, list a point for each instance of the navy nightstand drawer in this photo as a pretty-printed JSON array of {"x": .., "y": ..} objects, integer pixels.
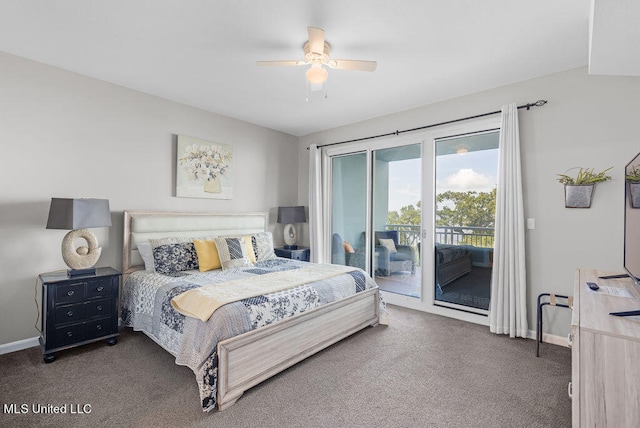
[
  {"x": 99, "y": 288},
  {"x": 100, "y": 327},
  {"x": 70, "y": 292},
  {"x": 70, "y": 313},
  {"x": 69, "y": 334},
  {"x": 299, "y": 253},
  {"x": 98, "y": 308}
]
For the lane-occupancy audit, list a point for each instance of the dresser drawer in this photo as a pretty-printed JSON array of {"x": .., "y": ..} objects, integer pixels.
[
  {"x": 100, "y": 327},
  {"x": 98, "y": 308},
  {"x": 68, "y": 334},
  {"x": 70, "y": 313},
  {"x": 298, "y": 255},
  {"x": 68, "y": 293},
  {"x": 99, "y": 288}
]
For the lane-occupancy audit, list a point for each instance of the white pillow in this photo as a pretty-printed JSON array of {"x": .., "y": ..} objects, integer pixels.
[
  {"x": 391, "y": 246},
  {"x": 147, "y": 256},
  {"x": 262, "y": 244}
]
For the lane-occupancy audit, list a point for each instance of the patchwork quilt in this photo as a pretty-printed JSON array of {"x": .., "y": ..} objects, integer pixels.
[{"x": 146, "y": 306}]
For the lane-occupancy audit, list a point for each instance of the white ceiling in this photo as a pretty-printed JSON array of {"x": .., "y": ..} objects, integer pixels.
[
  {"x": 202, "y": 52},
  {"x": 614, "y": 37}
]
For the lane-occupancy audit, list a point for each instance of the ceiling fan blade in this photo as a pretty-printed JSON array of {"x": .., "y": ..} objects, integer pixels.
[
  {"x": 316, "y": 39},
  {"x": 352, "y": 64},
  {"x": 270, "y": 63}
]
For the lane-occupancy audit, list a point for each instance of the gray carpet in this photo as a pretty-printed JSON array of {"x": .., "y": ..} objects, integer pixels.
[{"x": 422, "y": 370}]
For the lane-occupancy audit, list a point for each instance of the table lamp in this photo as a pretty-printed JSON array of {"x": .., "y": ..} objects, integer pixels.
[
  {"x": 289, "y": 216},
  {"x": 77, "y": 215}
]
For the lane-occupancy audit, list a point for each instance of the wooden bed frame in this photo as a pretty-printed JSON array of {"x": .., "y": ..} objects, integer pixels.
[{"x": 248, "y": 359}]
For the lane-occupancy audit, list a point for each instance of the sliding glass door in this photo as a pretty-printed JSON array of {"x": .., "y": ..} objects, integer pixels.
[
  {"x": 376, "y": 217},
  {"x": 397, "y": 219},
  {"x": 349, "y": 209},
  {"x": 465, "y": 200}
]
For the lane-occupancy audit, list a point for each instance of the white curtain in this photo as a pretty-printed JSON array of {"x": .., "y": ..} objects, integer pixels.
[
  {"x": 316, "y": 209},
  {"x": 508, "y": 312}
]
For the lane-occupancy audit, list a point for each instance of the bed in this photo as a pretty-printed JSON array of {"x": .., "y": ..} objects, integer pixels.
[
  {"x": 307, "y": 307},
  {"x": 452, "y": 262}
]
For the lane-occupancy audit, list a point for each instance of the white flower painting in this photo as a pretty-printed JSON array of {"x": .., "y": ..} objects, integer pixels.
[{"x": 203, "y": 169}]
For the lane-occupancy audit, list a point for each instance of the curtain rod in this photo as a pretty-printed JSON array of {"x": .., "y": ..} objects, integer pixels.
[{"x": 528, "y": 106}]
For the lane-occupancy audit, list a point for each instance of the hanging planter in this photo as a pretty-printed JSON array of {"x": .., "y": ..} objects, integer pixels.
[
  {"x": 578, "y": 190},
  {"x": 633, "y": 182},
  {"x": 578, "y": 195},
  {"x": 634, "y": 194}
]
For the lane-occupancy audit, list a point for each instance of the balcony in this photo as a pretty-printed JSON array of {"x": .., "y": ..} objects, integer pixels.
[{"x": 479, "y": 237}]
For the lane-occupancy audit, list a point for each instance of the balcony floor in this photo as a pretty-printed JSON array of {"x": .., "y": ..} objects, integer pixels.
[{"x": 472, "y": 289}]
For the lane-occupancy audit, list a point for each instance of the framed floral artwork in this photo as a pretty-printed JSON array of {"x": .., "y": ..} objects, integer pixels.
[{"x": 204, "y": 169}]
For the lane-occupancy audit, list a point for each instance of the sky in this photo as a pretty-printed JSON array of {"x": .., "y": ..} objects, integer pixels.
[{"x": 458, "y": 172}]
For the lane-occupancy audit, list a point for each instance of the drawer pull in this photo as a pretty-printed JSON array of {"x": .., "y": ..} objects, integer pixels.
[
  {"x": 99, "y": 307},
  {"x": 569, "y": 340},
  {"x": 100, "y": 288},
  {"x": 70, "y": 293},
  {"x": 570, "y": 389},
  {"x": 69, "y": 334},
  {"x": 99, "y": 327},
  {"x": 70, "y": 313}
]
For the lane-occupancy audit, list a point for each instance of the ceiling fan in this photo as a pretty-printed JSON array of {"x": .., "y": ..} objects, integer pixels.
[{"x": 316, "y": 53}]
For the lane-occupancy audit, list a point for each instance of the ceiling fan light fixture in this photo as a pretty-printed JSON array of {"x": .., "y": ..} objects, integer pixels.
[{"x": 317, "y": 74}]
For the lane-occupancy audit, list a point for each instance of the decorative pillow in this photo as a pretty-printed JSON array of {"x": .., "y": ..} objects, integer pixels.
[
  {"x": 232, "y": 252},
  {"x": 391, "y": 246},
  {"x": 348, "y": 248},
  {"x": 262, "y": 246},
  {"x": 147, "y": 256},
  {"x": 250, "y": 249},
  {"x": 247, "y": 240},
  {"x": 208, "y": 258},
  {"x": 171, "y": 255}
]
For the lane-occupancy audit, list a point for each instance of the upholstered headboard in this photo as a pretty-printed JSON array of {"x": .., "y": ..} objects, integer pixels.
[{"x": 140, "y": 226}]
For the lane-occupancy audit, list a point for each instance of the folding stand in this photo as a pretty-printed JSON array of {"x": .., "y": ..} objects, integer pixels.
[{"x": 552, "y": 302}]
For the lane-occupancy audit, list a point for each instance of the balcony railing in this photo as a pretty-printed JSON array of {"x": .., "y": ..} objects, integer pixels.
[
  {"x": 409, "y": 234},
  {"x": 465, "y": 235}
]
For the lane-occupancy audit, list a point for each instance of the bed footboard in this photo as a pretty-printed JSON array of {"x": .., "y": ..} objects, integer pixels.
[{"x": 248, "y": 359}]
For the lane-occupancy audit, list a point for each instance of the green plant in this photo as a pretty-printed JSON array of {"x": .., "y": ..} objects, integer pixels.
[
  {"x": 585, "y": 176},
  {"x": 633, "y": 175}
]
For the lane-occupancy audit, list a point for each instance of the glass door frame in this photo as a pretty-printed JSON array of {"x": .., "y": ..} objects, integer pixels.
[{"x": 427, "y": 138}]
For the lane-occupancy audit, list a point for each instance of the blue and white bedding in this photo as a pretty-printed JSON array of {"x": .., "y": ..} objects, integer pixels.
[{"x": 146, "y": 306}]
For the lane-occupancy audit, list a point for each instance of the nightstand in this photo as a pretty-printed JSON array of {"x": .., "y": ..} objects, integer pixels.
[
  {"x": 300, "y": 253},
  {"x": 78, "y": 310}
]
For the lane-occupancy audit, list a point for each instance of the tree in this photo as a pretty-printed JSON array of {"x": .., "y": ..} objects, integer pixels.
[
  {"x": 474, "y": 209},
  {"x": 408, "y": 215}
]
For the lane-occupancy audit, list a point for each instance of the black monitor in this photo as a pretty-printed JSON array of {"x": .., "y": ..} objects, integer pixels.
[{"x": 632, "y": 226}]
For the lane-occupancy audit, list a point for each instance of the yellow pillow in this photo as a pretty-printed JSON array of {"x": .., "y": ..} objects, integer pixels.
[
  {"x": 208, "y": 258},
  {"x": 250, "y": 253}
]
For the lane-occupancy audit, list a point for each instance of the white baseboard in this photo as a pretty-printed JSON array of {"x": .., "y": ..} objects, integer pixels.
[
  {"x": 19, "y": 345},
  {"x": 550, "y": 338}
]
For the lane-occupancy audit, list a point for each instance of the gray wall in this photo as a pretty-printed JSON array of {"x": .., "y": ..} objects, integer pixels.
[
  {"x": 66, "y": 135},
  {"x": 590, "y": 121}
]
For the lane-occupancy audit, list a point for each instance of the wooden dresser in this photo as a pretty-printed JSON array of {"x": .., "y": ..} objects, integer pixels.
[{"x": 605, "y": 379}]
